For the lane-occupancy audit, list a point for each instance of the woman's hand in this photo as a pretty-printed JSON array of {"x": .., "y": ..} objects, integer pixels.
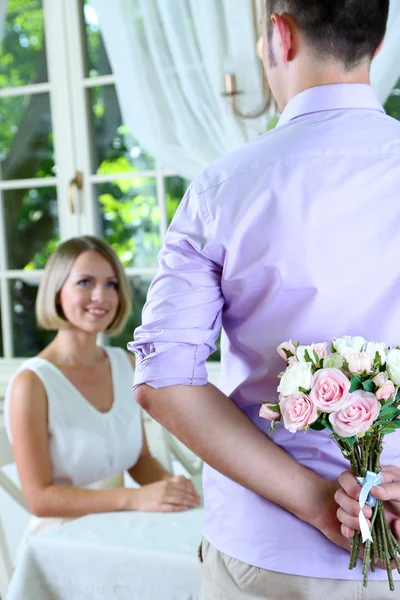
[
  {"x": 348, "y": 494},
  {"x": 169, "y": 495}
]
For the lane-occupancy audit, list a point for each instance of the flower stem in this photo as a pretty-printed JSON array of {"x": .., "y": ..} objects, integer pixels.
[
  {"x": 355, "y": 550},
  {"x": 384, "y": 528}
]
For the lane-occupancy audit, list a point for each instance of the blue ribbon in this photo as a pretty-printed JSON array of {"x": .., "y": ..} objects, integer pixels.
[{"x": 368, "y": 482}]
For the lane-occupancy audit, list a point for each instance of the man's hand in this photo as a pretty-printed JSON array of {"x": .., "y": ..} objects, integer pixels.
[
  {"x": 389, "y": 490},
  {"x": 326, "y": 520},
  {"x": 348, "y": 494}
]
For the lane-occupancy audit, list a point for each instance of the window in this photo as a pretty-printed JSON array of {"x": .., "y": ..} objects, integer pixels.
[{"x": 59, "y": 114}]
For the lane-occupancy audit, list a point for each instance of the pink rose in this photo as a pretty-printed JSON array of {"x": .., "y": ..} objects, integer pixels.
[
  {"x": 298, "y": 411},
  {"x": 385, "y": 391},
  {"x": 267, "y": 413},
  {"x": 321, "y": 349},
  {"x": 357, "y": 415},
  {"x": 380, "y": 379},
  {"x": 358, "y": 362},
  {"x": 286, "y": 346},
  {"x": 329, "y": 389}
]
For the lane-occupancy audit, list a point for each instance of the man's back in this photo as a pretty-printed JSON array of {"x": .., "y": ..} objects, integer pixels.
[
  {"x": 305, "y": 225},
  {"x": 307, "y": 219}
]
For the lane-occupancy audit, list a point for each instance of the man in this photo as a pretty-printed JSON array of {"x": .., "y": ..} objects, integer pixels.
[{"x": 296, "y": 235}]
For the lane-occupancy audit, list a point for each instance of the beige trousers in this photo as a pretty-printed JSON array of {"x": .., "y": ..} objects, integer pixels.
[{"x": 225, "y": 578}]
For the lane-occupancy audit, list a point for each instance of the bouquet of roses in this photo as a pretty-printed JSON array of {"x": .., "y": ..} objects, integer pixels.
[{"x": 350, "y": 387}]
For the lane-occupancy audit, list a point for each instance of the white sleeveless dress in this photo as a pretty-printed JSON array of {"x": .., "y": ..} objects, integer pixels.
[{"x": 87, "y": 448}]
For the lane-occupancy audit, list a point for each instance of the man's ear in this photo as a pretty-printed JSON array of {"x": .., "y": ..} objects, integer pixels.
[
  {"x": 285, "y": 35},
  {"x": 379, "y": 48}
]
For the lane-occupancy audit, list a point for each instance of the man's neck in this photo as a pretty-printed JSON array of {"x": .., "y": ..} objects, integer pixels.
[{"x": 310, "y": 76}]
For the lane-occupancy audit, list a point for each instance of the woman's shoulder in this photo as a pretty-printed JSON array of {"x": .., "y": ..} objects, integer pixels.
[
  {"x": 30, "y": 372},
  {"x": 27, "y": 380},
  {"x": 31, "y": 382},
  {"x": 27, "y": 383},
  {"x": 25, "y": 396}
]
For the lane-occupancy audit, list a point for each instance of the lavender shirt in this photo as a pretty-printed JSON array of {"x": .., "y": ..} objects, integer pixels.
[{"x": 296, "y": 235}]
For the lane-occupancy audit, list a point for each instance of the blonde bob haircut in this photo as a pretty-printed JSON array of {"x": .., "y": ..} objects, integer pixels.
[{"x": 48, "y": 312}]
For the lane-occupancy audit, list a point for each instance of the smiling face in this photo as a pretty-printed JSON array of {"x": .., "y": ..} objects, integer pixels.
[{"x": 89, "y": 298}]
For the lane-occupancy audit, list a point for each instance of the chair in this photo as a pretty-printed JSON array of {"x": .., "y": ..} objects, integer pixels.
[{"x": 6, "y": 458}]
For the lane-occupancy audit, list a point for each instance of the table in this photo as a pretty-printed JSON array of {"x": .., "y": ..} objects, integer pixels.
[{"x": 122, "y": 556}]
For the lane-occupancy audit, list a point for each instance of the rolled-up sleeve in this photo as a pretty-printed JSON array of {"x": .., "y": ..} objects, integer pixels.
[{"x": 182, "y": 315}]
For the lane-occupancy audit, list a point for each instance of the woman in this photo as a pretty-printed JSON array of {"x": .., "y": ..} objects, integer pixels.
[{"x": 70, "y": 412}]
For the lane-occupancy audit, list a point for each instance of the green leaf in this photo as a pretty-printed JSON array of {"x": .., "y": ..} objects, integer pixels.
[
  {"x": 386, "y": 404},
  {"x": 351, "y": 440},
  {"x": 307, "y": 356},
  {"x": 377, "y": 360},
  {"x": 389, "y": 427},
  {"x": 369, "y": 386},
  {"x": 326, "y": 422},
  {"x": 316, "y": 357},
  {"x": 355, "y": 384},
  {"x": 273, "y": 425},
  {"x": 273, "y": 406},
  {"x": 397, "y": 395},
  {"x": 303, "y": 390},
  {"x": 288, "y": 353},
  {"x": 321, "y": 363},
  {"x": 346, "y": 365},
  {"x": 389, "y": 413},
  {"x": 317, "y": 425}
]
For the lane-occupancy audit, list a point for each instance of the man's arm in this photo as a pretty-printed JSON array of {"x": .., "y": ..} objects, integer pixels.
[{"x": 212, "y": 426}]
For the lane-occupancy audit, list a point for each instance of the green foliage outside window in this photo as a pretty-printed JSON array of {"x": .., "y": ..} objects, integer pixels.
[{"x": 392, "y": 105}]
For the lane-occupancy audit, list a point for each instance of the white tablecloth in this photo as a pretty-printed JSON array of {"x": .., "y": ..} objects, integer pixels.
[{"x": 122, "y": 556}]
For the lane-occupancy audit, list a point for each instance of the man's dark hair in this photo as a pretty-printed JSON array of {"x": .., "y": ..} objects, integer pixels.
[{"x": 347, "y": 30}]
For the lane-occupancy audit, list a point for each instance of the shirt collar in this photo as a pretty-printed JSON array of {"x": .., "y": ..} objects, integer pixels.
[{"x": 338, "y": 96}]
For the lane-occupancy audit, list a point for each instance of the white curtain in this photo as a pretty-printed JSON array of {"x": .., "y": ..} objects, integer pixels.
[
  {"x": 385, "y": 71},
  {"x": 169, "y": 58}
]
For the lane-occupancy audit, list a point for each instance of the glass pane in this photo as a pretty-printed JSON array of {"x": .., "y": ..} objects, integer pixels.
[
  {"x": 129, "y": 219},
  {"x": 96, "y": 55},
  {"x": 29, "y": 340},
  {"x": 114, "y": 149},
  {"x": 175, "y": 188},
  {"x": 31, "y": 226},
  {"x": 26, "y": 139},
  {"x": 22, "y": 51},
  {"x": 140, "y": 286},
  {"x": 392, "y": 105}
]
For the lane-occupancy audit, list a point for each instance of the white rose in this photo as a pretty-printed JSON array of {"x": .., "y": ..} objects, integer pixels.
[
  {"x": 333, "y": 361},
  {"x": 301, "y": 350},
  {"x": 393, "y": 365},
  {"x": 372, "y": 348},
  {"x": 346, "y": 344},
  {"x": 299, "y": 375}
]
